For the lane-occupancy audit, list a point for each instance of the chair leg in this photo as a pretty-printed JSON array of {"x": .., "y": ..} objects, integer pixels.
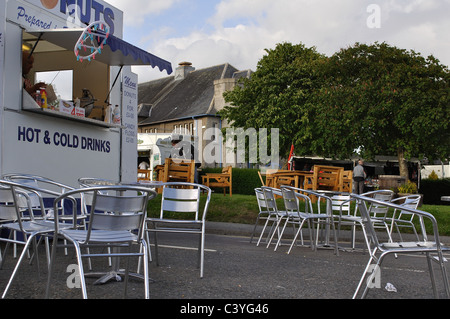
[
  {"x": 156, "y": 249},
  {"x": 363, "y": 277},
  {"x": 202, "y": 252},
  {"x": 81, "y": 270},
  {"x": 263, "y": 230},
  {"x": 276, "y": 229},
  {"x": 300, "y": 228},
  {"x": 50, "y": 266},
  {"x": 254, "y": 228},
  {"x": 145, "y": 258},
  {"x": 281, "y": 235}
]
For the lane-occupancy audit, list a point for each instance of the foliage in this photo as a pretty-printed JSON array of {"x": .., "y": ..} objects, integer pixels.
[
  {"x": 278, "y": 94},
  {"x": 408, "y": 188},
  {"x": 390, "y": 101},
  {"x": 433, "y": 175},
  {"x": 244, "y": 180},
  {"x": 375, "y": 98}
]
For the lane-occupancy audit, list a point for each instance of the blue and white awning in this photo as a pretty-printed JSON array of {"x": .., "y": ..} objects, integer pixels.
[{"x": 117, "y": 52}]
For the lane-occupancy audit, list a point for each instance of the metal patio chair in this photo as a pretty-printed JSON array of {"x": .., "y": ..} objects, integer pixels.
[
  {"x": 274, "y": 216},
  {"x": 115, "y": 220},
  {"x": 263, "y": 213},
  {"x": 341, "y": 208},
  {"x": 380, "y": 250},
  {"x": 405, "y": 219},
  {"x": 378, "y": 210},
  {"x": 181, "y": 212},
  {"x": 315, "y": 214},
  {"x": 295, "y": 217},
  {"x": 16, "y": 206}
]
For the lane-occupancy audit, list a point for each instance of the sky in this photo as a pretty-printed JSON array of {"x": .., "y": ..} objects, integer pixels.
[{"x": 213, "y": 32}]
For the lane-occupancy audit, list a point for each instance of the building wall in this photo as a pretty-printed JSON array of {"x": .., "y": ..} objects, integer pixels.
[{"x": 199, "y": 125}]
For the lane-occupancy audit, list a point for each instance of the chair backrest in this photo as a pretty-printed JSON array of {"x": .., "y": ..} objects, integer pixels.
[
  {"x": 269, "y": 197},
  {"x": 363, "y": 202},
  {"x": 7, "y": 204},
  {"x": 184, "y": 198},
  {"x": 117, "y": 212},
  {"x": 292, "y": 199},
  {"x": 125, "y": 210},
  {"x": 262, "y": 204},
  {"x": 341, "y": 204},
  {"x": 15, "y": 201},
  {"x": 410, "y": 201},
  {"x": 316, "y": 197},
  {"x": 378, "y": 209},
  {"x": 38, "y": 182}
]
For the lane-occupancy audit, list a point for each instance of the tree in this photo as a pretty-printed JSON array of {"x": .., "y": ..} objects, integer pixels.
[
  {"x": 377, "y": 99},
  {"x": 277, "y": 95},
  {"x": 389, "y": 100}
]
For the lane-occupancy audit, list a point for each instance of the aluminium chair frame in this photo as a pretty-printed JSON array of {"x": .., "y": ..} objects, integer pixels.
[
  {"x": 114, "y": 228},
  {"x": 383, "y": 249},
  {"x": 274, "y": 214},
  {"x": 378, "y": 207},
  {"x": 30, "y": 227},
  {"x": 325, "y": 219},
  {"x": 189, "y": 202},
  {"x": 397, "y": 220},
  {"x": 294, "y": 216},
  {"x": 263, "y": 213}
]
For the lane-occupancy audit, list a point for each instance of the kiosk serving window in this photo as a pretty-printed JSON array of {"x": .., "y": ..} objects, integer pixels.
[
  {"x": 61, "y": 81},
  {"x": 92, "y": 80},
  {"x": 87, "y": 83}
]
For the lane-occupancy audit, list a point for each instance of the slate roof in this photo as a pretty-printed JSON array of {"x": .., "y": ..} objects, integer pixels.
[{"x": 178, "y": 99}]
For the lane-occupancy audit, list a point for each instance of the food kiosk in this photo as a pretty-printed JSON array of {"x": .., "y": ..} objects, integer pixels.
[{"x": 73, "y": 136}]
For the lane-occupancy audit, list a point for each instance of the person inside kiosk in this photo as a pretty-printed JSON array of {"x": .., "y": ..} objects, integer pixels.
[{"x": 27, "y": 65}]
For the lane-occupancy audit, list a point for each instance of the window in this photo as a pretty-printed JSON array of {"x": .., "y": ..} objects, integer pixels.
[{"x": 64, "y": 80}]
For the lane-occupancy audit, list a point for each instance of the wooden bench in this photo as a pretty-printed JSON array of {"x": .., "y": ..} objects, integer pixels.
[
  {"x": 179, "y": 170},
  {"x": 223, "y": 180}
]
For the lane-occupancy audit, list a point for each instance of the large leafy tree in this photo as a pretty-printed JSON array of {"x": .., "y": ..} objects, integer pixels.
[
  {"x": 376, "y": 99},
  {"x": 278, "y": 94},
  {"x": 386, "y": 101}
]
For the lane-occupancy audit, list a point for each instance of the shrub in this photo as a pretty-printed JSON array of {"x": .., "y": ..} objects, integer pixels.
[
  {"x": 244, "y": 180},
  {"x": 433, "y": 176},
  {"x": 408, "y": 188}
]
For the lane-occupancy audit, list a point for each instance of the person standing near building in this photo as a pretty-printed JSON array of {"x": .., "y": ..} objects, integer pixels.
[{"x": 359, "y": 176}]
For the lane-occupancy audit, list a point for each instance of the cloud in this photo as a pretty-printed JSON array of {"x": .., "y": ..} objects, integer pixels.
[
  {"x": 242, "y": 29},
  {"x": 137, "y": 13}
]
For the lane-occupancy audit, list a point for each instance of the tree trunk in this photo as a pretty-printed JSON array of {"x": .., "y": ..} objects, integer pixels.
[{"x": 403, "y": 164}]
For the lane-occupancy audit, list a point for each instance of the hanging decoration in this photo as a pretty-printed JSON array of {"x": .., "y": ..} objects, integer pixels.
[{"x": 91, "y": 41}]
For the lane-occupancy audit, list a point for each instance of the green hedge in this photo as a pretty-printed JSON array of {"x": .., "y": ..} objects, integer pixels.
[
  {"x": 433, "y": 190},
  {"x": 244, "y": 180}
]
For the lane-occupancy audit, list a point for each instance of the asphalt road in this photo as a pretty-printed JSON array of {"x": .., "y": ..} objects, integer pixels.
[{"x": 236, "y": 272}]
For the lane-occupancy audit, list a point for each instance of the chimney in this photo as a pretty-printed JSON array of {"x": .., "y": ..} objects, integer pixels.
[{"x": 183, "y": 69}]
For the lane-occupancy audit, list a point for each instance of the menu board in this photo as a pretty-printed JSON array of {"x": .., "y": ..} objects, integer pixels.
[{"x": 130, "y": 125}]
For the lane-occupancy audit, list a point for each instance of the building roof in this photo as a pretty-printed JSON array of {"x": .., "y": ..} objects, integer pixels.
[{"x": 189, "y": 95}]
